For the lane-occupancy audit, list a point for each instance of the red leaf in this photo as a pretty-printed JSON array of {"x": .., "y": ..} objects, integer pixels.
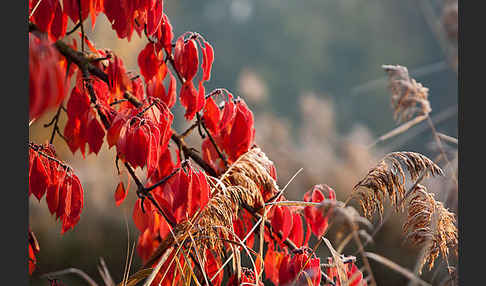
[
  {"x": 71, "y": 8},
  {"x": 186, "y": 58},
  {"x": 273, "y": 260},
  {"x": 191, "y": 99},
  {"x": 59, "y": 23},
  {"x": 282, "y": 220},
  {"x": 116, "y": 127},
  {"x": 47, "y": 86},
  {"x": 78, "y": 103},
  {"x": 351, "y": 270},
  {"x": 95, "y": 134},
  {"x": 120, "y": 194},
  {"x": 208, "y": 57},
  {"x": 117, "y": 76},
  {"x": 165, "y": 35},
  {"x": 241, "y": 134},
  {"x": 313, "y": 215},
  {"x": 297, "y": 232},
  {"x": 155, "y": 87},
  {"x": 211, "y": 266},
  {"x": 229, "y": 112},
  {"x": 154, "y": 17},
  {"x": 292, "y": 266},
  {"x": 44, "y": 13},
  {"x": 140, "y": 218},
  {"x": 75, "y": 133},
  {"x": 211, "y": 116},
  {"x": 52, "y": 196},
  {"x": 149, "y": 61},
  {"x": 39, "y": 179},
  {"x": 77, "y": 200}
]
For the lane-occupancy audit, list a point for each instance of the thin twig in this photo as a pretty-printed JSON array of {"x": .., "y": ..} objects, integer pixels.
[
  {"x": 55, "y": 121},
  {"x": 38, "y": 149},
  {"x": 394, "y": 266},
  {"x": 220, "y": 154},
  {"x": 448, "y": 138},
  {"x": 74, "y": 28},
  {"x": 71, "y": 270},
  {"x": 400, "y": 129}
]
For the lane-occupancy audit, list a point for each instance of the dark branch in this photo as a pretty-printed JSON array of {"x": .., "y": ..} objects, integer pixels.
[{"x": 220, "y": 154}]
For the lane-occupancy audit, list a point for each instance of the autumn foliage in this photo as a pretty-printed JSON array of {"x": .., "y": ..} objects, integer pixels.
[{"x": 133, "y": 114}]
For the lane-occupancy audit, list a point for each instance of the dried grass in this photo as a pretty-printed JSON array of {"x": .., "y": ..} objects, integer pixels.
[
  {"x": 388, "y": 179},
  {"x": 429, "y": 222},
  {"x": 408, "y": 96},
  {"x": 241, "y": 185}
]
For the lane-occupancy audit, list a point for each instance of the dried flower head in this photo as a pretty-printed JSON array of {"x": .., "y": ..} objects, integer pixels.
[
  {"x": 408, "y": 96},
  {"x": 429, "y": 222},
  {"x": 387, "y": 179}
]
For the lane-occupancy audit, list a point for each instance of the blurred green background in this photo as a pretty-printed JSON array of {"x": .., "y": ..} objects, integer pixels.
[{"x": 311, "y": 72}]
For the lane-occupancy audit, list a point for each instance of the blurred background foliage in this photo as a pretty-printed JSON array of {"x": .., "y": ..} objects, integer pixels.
[{"x": 311, "y": 72}]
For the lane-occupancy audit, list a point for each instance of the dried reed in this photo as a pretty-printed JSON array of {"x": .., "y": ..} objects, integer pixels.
[
  {"x": 408, "y": 96},
  {"x": 387, "y": 179},
  {"x": 429, "y": 222}
]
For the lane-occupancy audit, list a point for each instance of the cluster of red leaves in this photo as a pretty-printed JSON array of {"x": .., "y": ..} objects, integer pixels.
[
  {"x": 50, "y": 17},
  {"x": 168, "y": 272},
  {"x": 142, "y": 134},
  {"x": 317, "y": 221},
  {"x": 46, "y": 77},
  {"x": 287, "y": 221},
  {"x": 354, "y": 276},
  {"x": 186, "y": 62},
  {"x": 283, "y": 268},
  {"x": 48, "y": 176},
  {"x": 247, "y": 278},
  {"x": 180, "y": 197},
  {"x": 232, "y": 127},
  {"x": 125, "y": 16},
  {"x": 83, "y": 126}
]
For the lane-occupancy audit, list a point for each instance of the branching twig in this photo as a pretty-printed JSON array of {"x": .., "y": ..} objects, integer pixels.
[
  {"x": 38, "y": 149},
  {"x": 220, "y": 154},
  {"x": 55, "y": 121}
]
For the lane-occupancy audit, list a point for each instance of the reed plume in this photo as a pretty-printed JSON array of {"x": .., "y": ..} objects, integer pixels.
[
  {"x": 408, "y": 96},
  {"x": 388, "y": 179},
  {"x": 429, "y": 222}
]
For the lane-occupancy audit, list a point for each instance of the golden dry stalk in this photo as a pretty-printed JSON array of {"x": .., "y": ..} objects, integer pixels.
[
  {"x": 408, "y": 96},
  {"x": 387, "y": 180},
  {"x": 430, "y": 223},
  {"x": 241, "y": 185}
]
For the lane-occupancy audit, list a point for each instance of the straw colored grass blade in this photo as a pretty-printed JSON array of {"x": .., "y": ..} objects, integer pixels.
[{"x": 387, "y": 180}]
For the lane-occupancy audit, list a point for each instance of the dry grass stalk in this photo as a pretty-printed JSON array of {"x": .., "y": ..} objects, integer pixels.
[
  {"x": 394, "y": 266},
  {"x": 387, "y": 179},
  {"x": 429, "y": 222},
  {"x": 408, "y": 96},
  {"x": 241, "y": 185}
]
